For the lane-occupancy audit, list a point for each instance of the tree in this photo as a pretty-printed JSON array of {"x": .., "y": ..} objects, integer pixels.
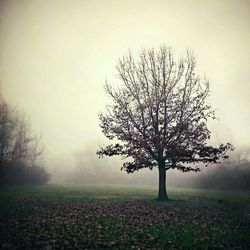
[
  {"x": 159, "y": 114},
  {"x": 19, "y": 148}
]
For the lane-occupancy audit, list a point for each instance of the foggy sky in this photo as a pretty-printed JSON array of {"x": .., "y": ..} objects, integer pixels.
[{"x": 55, "y": 57}]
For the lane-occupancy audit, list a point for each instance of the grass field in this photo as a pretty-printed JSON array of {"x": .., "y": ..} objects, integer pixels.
[{"x": 54, "y": 217}]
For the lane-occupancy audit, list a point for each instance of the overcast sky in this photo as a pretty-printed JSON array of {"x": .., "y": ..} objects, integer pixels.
[{"x": 55, "y": 56}]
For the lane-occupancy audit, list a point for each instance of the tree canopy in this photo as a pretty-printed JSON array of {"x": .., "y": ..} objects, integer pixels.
[{"x": 158, "y": 114}]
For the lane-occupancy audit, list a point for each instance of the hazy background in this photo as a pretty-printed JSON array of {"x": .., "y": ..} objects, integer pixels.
[{"x": 55, "y": 57}]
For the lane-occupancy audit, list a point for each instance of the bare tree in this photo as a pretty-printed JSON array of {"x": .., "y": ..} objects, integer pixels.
[
  {"x": 8, "y": 126},
  {"x": 18, "y": 145},
  {"x": 26, "y": 147},
  {"x": 159, "y": 114}
]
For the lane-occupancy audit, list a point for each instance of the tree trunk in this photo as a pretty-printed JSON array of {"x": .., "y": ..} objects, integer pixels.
[{"x": 162, "y": 193}]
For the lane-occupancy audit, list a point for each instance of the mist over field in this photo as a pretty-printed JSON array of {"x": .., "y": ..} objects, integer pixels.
[
  {"x": 87, "y": 169},
  {"x": 56, "y": 55}
]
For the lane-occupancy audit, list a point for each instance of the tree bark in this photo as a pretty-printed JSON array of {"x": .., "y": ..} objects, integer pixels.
[{"x": 162, "y": 193}]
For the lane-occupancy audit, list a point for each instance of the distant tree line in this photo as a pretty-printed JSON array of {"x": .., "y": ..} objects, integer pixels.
[
  {"x": 20, "y": 150},
  {"x": 231, "y": 175}
]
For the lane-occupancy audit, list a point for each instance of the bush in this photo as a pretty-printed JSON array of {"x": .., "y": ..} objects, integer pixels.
[
  {"x": 19, "y": 174},
  {"x": 226, "y": 177}
]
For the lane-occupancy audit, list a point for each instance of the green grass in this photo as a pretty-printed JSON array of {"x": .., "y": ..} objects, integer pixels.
[{"x": 112, "y": 217}]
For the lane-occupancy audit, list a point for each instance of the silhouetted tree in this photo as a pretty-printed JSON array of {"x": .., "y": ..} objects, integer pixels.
[
  {"x": 159, "y": 115},
  {"x": 19, "y": 149}
]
